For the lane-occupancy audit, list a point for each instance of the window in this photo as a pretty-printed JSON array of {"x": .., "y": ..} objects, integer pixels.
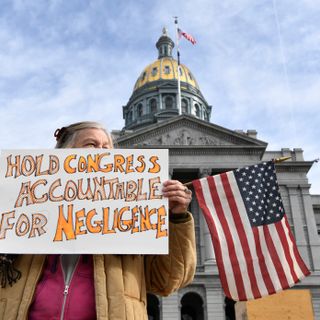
[
  {"x": 153, "y": 307},
  {"x": 192, "y": 306},
  {"x": 153, "y": 105},
  {"x": 139, "y": 110},
  {"x": 184, "y": 106},
  {"x": 168, "y": 102},
  {"x": 166, "y": 69},
  {"x": 154, "y": 71},
  {"x": 197, "y": 108}
]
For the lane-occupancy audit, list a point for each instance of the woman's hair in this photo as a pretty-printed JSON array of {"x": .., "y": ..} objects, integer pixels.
[{"x": 66, "y": 135}]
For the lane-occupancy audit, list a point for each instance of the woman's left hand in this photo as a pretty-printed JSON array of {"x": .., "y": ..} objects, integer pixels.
[{"x": 178, "y": 195}]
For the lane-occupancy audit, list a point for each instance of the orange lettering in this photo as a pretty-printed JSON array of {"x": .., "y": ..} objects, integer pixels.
[
  {"x": 65, "y": 225},
  {"x": 66, "y": 165}
]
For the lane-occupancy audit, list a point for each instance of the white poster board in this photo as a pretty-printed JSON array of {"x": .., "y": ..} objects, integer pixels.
[{"x": 83, "y": 201}]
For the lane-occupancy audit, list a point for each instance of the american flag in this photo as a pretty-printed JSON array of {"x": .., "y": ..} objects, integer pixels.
[
  {"x": 187, "y": 36},
  {"x": 255, "y": 251}
]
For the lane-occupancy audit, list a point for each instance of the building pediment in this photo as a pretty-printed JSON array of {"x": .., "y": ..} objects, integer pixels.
[{"x": 185, "y": 130}]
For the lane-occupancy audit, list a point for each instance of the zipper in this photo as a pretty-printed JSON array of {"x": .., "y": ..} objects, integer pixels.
[{"x": 66, "y": 287}]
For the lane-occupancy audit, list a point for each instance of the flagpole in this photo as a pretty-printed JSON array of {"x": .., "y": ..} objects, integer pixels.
[
  {"x": 278, "y": 160},
  {"x": 178, "y": 70}
]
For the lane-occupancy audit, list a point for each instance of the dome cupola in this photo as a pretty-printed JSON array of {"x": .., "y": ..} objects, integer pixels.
[{"x": 164, "y": 45}]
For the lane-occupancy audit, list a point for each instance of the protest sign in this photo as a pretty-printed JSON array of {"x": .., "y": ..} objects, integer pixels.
[{"x": 83, "y": 201}]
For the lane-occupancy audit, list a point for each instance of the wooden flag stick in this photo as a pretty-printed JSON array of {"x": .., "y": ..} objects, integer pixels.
[{"x": 278, "y": 160}]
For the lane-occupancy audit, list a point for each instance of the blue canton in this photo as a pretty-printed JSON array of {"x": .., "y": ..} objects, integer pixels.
[{"x": 260, "y": 193}]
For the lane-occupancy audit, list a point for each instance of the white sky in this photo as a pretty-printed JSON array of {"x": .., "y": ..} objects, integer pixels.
[{"x": 257, "y": 64}]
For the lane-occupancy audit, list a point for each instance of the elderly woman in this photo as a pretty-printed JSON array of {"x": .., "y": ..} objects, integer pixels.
[{"x": 100, "y": 286}]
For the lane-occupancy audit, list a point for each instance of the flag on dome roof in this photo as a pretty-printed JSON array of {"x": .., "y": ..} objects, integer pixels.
[
  {"x": 255, "y": 250},
  {"x": 188, "y": 36}
]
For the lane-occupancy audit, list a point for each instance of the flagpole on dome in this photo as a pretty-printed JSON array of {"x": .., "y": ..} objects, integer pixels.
[{"x": 178, "y": 69}]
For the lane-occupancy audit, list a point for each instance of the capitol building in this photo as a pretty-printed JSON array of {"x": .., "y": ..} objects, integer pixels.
[{"x": 198, "y": 148}]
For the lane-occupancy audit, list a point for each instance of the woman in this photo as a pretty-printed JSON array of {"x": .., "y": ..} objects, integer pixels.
[{"x": 100, "y": 286}]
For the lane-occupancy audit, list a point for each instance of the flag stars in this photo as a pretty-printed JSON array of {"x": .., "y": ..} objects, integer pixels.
[{"x": 257, "y": 185}]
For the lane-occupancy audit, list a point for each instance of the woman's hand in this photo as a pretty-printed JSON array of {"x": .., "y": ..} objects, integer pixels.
[{"x": 178, "y": 195}]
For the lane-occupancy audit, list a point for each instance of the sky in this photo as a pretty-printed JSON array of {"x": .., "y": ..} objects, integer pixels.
[{"x": 256, "y": 62}]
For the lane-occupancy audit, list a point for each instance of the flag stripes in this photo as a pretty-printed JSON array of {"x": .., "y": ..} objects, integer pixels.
[
  {"x": 253, "y": 261},
  {"x": 188, "y": 36}
]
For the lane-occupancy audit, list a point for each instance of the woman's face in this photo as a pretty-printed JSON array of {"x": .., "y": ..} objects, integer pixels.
[{"x": 92, "y": 138}]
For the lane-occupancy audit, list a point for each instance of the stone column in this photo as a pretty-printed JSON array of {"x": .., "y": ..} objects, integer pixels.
[
  {"x": 215, "y": 303},
  {"x": 160, "y": 101},
  {"x": 210, "y": 264},
  {"x": 298, "y": 222},
  {"x": 314, "y": 239},
  {"x": 171, "y": 307}
]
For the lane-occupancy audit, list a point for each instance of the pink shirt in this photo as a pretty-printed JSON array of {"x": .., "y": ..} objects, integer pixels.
[{"x": 55, "y": 300}]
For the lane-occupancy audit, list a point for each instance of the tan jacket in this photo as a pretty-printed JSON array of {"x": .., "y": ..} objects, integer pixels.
[{"x": 121, "y": 282}]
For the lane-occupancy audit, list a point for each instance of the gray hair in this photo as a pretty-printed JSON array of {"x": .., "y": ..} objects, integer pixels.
[{"x": 66, "y": 135}]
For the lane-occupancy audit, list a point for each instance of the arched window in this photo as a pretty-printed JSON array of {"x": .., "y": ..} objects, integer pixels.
[
  {"x": 130, "y": 116},
  {"x": 153, "y": 105},
  {"x": 154, "y": 71},
  {"x": 139, "y": 110},
  {"x": 184, "y": 106},
  {"x": 192, "y": 307},
  {"x": 166, "y": 70},
  {"x": 168, "y": 102},
  {"x": 197, "y": 108},
  {"x": 153, "y": 307}
]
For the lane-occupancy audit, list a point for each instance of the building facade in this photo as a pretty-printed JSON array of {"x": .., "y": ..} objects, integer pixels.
[{"x": 199, "y": 148}]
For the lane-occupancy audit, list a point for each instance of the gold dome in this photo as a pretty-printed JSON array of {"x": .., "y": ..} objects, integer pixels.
[{"x": 165, "y": 69}]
